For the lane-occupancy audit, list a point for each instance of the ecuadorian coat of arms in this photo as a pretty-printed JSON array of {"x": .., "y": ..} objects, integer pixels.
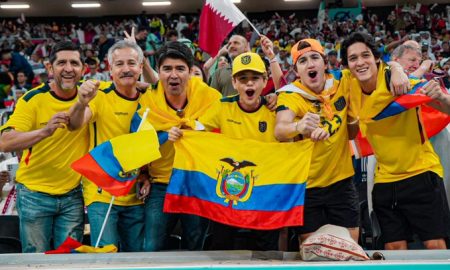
[{"x": 235, "y": 181}]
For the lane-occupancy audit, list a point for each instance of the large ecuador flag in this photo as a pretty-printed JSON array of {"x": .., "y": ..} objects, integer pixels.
[
  {"x": 239, "y": 182},
  {"x": 217, "y": 20},
  {"x": 114, "y": 165},
  {"x": 433, "y": 120}
]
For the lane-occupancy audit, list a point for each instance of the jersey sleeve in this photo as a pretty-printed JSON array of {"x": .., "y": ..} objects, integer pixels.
[
  {"x": 354, "y": 94},
  {"x": 291, "y": 101},
  {"x": 23, "y": 117},
  {"x": 211, "y": 119}
]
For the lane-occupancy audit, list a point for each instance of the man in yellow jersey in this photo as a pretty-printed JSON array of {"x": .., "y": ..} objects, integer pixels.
[
  {"x": 241, "y": 116},
  {"x": 408, "y": 195},
  {"x": 176, "y": 102},
  {"x": 317, "y": 106},
  {"x": 108, "y": 113},
  {"x": 49, "y": 197}
]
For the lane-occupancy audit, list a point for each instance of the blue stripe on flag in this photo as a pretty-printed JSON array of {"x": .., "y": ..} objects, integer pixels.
[
  {"x": 104, "y": 156},
  {"x": 393, "y": 109},
  {"x": 276, "y": 197},
  {"x": 135, "y": 121},
  {"x": 163, "y": 136},
  {"x": 417, "y": 87}
]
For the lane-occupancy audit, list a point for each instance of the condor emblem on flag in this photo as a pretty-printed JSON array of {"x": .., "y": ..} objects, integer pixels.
[
  {"x": 241, "y": 182},
  {"x": 233, "y": 184}
]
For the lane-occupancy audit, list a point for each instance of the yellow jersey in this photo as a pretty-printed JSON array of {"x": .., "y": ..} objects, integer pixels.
[
  {"x": 233, "y": 121},
  {"x": 331, "y": 159},
  {"x": 45, "y": 167},
  {"x": 399, "y": 143},
  {"x": 111, "y": 117}
]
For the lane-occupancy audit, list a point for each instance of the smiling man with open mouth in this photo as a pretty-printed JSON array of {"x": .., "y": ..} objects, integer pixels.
[{"x": 316, "y": 106}]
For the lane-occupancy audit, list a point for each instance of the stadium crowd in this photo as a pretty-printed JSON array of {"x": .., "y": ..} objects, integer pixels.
[{"x": 292, "y": 53}]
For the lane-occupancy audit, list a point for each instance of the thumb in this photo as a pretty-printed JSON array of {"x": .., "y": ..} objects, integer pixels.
[
  {"x": 142, "y": 85},
  {"x": 96, "y": 84}
]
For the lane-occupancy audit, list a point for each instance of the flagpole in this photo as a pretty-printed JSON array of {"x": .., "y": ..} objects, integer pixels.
[
  {"x": 254, "y": 28},
  {"x": 144, "y": 117},
  {"x": 104, "y": 221}
]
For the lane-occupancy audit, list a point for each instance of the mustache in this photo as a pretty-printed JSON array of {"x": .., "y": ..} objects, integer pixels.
[{"x": 127, "y": 74}]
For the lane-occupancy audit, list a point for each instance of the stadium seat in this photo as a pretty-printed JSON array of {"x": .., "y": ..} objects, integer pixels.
[
  {"x": 9, "y": 235},
  {"x": 9, "y": 226},
  {"x": 10, "y": 245}
]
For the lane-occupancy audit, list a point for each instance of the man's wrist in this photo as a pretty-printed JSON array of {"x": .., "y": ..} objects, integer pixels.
[{"x": 296, "y": 126}]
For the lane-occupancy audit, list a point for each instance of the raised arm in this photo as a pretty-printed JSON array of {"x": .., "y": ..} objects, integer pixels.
[
  {"x": 210, "y": 62},
  {"x": 275, "y": 69},
  {"x": 80, "y": 113},
  {"x": 425, "y": 66},
  {"x": 150, "y": 75},
  {"x": 440, "y": 96},
  {"x": 399, "y": 82}
]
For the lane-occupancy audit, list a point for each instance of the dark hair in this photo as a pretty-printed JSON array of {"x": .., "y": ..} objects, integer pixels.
[
  {"x": 91, "y": 61},
  {"x": 199, "y": 65},
  {"x": 5, "y": 51},
  {"x": 175, "y": 50},
  {"x": 355, "y": 38},
  {"x": 64, "y": 46},
  {"x": 302, "y": 45},
  {"x": 5, "y": 78},
  {"x": 143, "y": 28},
  {"x": 21, "y": 71},
  {"x": 330, "y": 53},
  {"x": 172, "y": 33}
]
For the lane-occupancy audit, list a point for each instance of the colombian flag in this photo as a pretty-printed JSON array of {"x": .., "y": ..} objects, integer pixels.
[
  {"x": 244, "y": 183},
  {"x": 113, "y": 165}
]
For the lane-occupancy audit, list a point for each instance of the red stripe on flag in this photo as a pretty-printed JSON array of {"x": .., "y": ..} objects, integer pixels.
[
  {"x": 89, "y": 168},
  {"x": 66, "y": 247},
  {"x": 433, "y": 120},
  {"x": 259, "y": 220},
  {"x": 213, "y": 30}
]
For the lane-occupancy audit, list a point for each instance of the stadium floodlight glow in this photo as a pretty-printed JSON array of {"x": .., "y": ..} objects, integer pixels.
[
  {"x": 14, "y": 6},
  {"x": 86, "y": 5},
  {"x": 157, "y": 3}
]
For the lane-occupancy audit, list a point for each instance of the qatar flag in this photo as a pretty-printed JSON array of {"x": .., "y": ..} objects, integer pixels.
[{"x": 217, "y": 20}]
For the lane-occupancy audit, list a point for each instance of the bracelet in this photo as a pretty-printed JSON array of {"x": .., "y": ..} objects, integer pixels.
[
  {"x": 353, "y": 122},
  {"x": 296, "y": 127},
  {"x": 273, "y": 60}
]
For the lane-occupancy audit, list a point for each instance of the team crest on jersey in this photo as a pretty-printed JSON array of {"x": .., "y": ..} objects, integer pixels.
[
  {"x": 246, "y": 59},
  {"x": 262, "y": 126},
  {"x": 340, "y": 104},
  {"x": 235, "y": 184}
]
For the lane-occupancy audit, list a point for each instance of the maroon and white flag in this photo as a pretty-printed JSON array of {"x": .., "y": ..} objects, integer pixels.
[{"x": 217, "y": 20}]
